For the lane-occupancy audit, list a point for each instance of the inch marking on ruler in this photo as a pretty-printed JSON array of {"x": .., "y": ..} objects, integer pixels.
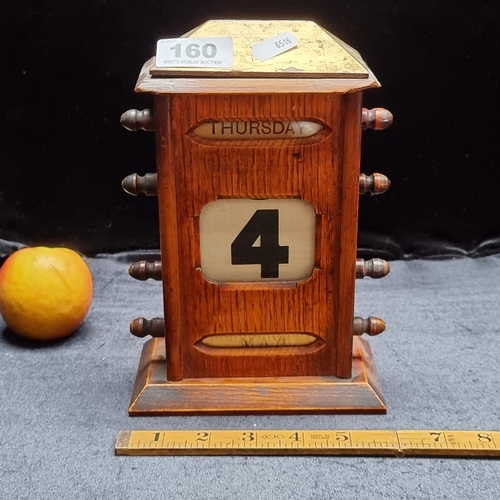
[{"x": 422, "y": 443}]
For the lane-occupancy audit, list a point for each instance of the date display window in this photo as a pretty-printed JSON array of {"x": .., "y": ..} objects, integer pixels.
[{"x": 257, "y": 240}]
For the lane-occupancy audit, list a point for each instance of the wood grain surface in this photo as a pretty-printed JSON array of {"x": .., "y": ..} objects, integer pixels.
[
  {"x": 153, "y": 395},
  {"x": 191, "y": 174}
]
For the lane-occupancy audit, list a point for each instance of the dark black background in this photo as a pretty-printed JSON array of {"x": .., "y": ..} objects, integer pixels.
[{"x": 68, "y": 69}]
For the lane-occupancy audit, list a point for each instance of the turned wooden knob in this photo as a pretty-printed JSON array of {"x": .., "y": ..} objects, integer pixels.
[
  {"x": 376, "y": 118},
  {"x": 373, "y": 184},
  {"x": 373, "y": 268},
  {"x": 141, "y": 184},
  {"x": 371, "y": 326},
  {"x": 134, "y": 120},
  {"x": 155, "y": 327},
  {"x": 142, "y": 327},
  {"x": 144, "y": 270}
]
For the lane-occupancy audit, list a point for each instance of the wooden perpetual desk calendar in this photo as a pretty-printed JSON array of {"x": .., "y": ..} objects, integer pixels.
[{"x": 258, "y": 178}]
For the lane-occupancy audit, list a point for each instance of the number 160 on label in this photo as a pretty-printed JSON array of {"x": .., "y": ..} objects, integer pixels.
[{"x": 195, "y": 52}]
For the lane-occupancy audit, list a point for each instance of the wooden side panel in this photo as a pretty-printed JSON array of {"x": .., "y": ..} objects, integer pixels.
[
  {"x": 170, "y": 240},
  {"x": 348, "y": 228},
  {"x": 191, "y": 174}
]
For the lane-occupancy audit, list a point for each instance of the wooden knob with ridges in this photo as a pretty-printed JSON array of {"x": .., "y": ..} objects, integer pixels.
[
  {"x": 134, "y": 120},
  {"x": 142, "y": 327},
  {"x": 373, "y": 268},
  {"x": 371, "y": 326},
  {"x": 144, "y": 270},
  {"x": 141, "y": 184},
  {"x": 376, "y": 118},
  {"x": 373, "y": 184}
]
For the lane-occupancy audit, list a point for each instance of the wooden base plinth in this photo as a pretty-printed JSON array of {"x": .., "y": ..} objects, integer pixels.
[{"x": 154, "y": 395}]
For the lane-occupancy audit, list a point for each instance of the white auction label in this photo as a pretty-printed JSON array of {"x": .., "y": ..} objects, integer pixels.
[
  {"x": 274, "y": 46},
  {"x": 195, "y": 52}
]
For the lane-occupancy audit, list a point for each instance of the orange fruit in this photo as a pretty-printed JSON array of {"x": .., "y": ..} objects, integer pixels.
[{"x": 45, "y": 293}]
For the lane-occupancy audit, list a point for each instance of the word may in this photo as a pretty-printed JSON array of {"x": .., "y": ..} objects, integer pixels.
[{"x": 259, "y": 340}]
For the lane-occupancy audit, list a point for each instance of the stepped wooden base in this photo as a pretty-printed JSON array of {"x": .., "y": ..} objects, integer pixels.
[{"x": 154, "y": 395}]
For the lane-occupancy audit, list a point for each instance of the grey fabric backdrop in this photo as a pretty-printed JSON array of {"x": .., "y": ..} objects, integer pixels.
[{"x": 62, "y": 405}]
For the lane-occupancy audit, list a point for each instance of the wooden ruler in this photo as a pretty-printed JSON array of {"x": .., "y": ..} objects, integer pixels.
[{"x": 423, "y": 443}]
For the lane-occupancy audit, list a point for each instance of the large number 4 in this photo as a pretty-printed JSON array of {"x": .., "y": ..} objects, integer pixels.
[{"x": 264, "y": 224}]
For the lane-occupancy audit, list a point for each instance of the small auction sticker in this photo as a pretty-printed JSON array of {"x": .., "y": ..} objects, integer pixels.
[
  {"x": 195, "y": 52},
  {"x": 274, "y": 46}
]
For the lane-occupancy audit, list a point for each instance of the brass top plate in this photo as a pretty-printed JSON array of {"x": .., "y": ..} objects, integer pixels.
[{"x": 319, "y": 54}]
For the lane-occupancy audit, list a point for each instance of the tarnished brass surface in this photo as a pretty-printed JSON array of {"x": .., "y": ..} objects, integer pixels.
[{"x": 318, "y": 54}]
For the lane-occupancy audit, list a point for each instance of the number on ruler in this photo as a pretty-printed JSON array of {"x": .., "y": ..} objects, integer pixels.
[
  {"x": 263, "y": 224},
  {"x": 437, "y": 434},
  {"x": 248, "y": 436},
  {"x": 202, "y": 436},
  {"x": 341, "y": 436},
  {"x": 484, "y": 437}
]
